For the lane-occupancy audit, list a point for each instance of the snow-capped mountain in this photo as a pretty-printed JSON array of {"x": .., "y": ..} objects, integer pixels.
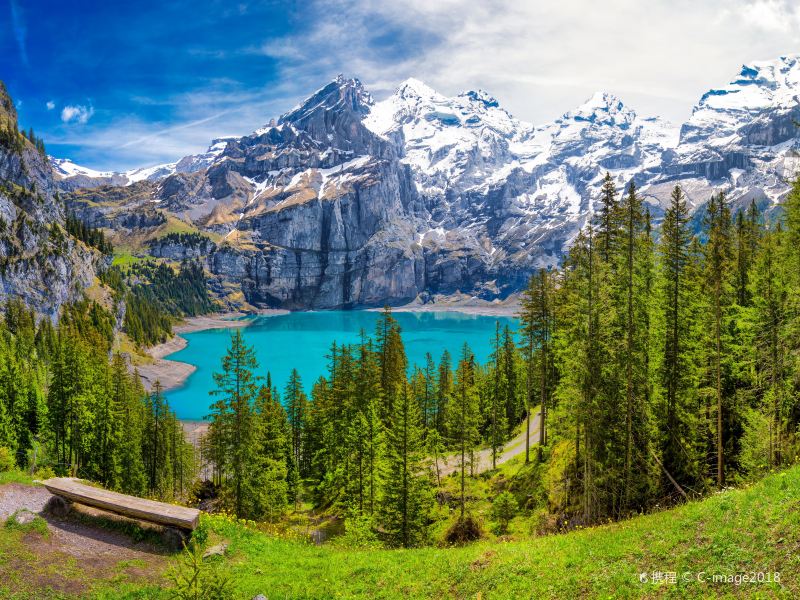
[
  {"x": 345, "y": 201},
  {"x": 75, "y": 176},
  {"x": 742, "y": 138}
]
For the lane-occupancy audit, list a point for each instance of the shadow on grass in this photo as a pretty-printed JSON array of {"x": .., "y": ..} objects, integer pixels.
[{"x": 111, "y": 529}]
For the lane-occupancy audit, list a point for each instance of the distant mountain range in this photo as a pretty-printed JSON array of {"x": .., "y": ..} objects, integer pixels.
[{"x": 347, "y": 202}]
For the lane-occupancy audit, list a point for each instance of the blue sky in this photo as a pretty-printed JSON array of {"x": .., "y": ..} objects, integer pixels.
[{"x": 125, "y": 84}]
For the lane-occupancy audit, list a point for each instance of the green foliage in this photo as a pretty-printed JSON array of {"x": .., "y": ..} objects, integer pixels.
[
  {"x": 248, "y": 440},
  {"x": 195, "y": 579},
  {"x": 359, "y": 534},
  {"x": 90, "y": 236},
  {"x": 187, "y": 240},
  {"x": 407, "y": 498},
  {"x": 463, "y": 419},
  {"x": 504, "y": 508},
  {"x": 65, "y": 408},
  {"x": 7, "y": 461},
  {"x": 158, "y": 296},
  {"x": 37, "y": 142}
]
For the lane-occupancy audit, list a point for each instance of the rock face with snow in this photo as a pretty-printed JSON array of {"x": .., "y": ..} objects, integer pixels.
[
  {"x": 347, "y": 202},
  {"x": 72, "y": 176}
]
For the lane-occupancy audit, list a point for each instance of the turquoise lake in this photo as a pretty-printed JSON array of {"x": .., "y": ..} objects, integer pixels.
[{"x": 302, "y": 340}]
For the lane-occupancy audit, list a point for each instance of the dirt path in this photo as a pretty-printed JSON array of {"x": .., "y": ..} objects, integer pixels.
[
  {"x": 77, "y": 550},
  {"x": 483, "y": 458}
]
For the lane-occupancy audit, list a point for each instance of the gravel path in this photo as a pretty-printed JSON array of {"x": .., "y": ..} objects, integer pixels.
[
  {"x": 15, "y": 496},
  {"x": 100, "y": 550},
  {"x": 483, "y": 458}
]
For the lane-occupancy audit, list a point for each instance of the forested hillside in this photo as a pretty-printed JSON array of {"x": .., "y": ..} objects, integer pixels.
[
  {"x": 663, "y": 364},
  {"x": 66, "y": 408}
]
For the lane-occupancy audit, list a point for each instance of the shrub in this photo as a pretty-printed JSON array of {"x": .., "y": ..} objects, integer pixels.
[
  {"x": 197, "y": 580},
  {"x": 43, "y": 473},
  {"x": 504, "y": 508},
  {"x": 359, "y": 532},
  {"x": 7, "y": 461}
]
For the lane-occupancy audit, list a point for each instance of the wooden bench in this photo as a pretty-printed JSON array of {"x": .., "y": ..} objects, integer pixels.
[{"x": 70, "y": 490}]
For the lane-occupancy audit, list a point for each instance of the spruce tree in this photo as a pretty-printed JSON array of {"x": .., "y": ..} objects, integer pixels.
[
  {"x": 232, "y": 416},
  {"x": 717, "y": 266},
  {"x": 463, "y": 417},
  {"x": 407, "y": 497}
]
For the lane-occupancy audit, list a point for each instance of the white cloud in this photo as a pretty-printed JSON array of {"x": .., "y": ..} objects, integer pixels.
[
  {"x": 539, "y": 58},
  {"x": 542, "y": 58},
  {"x": 77, "y": 114},
  {"x": 50, "y": 105}
]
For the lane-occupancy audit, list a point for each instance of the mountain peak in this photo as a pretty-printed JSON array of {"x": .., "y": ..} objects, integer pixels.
[
  {"x": 766, "y": 71},
  {"x": 481, "y": 97},
  {"x": 341, "y": 93},
  {"x": 603, "y": 108},
  {"x": 413, "y": 87},
  {"x": 759, "y": 84}
]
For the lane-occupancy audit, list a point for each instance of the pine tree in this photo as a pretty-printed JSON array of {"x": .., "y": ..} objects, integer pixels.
[
  {"x": 608, "y": 218},
  {"x": 232, "y": 416},
  {"x": 269, "y": 458},
  {"x": 391, "y": 358},
  {"x": 296, "y": 408},
  {"x": 463, "y": 416},
  {"x": 675, "y": 376},
  {"x": 632, "y": 310},
  {"x": 497, "y": 400},
  {"x": 717, "y": 259},
  {"x": 769, "y": 292},
  {"x": 407, "y": 496},
  {"x": 537, "y": 325},
  {"x": 444, "y": 385}
]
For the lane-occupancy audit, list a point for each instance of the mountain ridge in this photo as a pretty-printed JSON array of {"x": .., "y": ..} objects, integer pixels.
[{"x": 344, "y": 201}]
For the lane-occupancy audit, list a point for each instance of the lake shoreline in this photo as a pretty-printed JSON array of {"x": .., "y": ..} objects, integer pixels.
[
  {"x": 172, "y": 374},
  {"x": 468, "y": 307}
]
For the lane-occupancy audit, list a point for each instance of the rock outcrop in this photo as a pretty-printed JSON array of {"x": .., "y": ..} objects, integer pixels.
[{"x": 40, "y": 263}]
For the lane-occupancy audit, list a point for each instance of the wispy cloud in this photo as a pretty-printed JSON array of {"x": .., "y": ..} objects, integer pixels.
[
  {"x": 542, "y": 58},
  {"x": 171, "y": 130},
  {"x": 539, "y": 59},
  {"x": 50, "y": 105},
  {"x": 20, "y": 30},
  {"x": 77, "y": 114}
]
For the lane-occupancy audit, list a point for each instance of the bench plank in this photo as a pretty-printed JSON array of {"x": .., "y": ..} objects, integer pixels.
[{"x": 129, "y": 506}]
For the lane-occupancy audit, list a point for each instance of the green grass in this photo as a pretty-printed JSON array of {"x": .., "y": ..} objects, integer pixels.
[
  {"x": 123, "y": 258},
  {"x": 15, "y": 476},
  {"x": 733, "y": 532},
  {"x": 38, "y": 524}
]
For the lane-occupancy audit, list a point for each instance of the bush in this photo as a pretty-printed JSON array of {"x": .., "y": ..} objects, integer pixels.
[
  {"x": 504, "y": 508},
  {"x": 195, "y": 580},
  {"x": 200, "y": 535},
  {"x": 464, "y": 530},
  {"x": 7, "y": 461},
  {"x": 359, "y": 532},
  {"x": 43, "y": 473}
]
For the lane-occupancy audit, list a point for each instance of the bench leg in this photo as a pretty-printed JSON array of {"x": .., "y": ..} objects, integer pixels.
[
  {"x": 174, "y": 538},
  {"x": 58, "y": 506}
]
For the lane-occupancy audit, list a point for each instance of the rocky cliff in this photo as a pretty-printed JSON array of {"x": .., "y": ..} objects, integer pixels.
[
  {"x": 347, "y": 202},
  {"x": 40, "y": 262}
]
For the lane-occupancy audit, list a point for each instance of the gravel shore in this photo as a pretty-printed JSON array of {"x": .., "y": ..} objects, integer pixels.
[{"x": 172, "y": 373}]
